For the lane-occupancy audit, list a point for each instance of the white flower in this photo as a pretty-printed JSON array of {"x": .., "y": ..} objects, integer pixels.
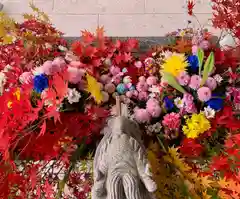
[
  {"x": 37, "y": 71},
  {"x": 62, "y": 48},
  {"x": 178, "y": 102},
  {"x": 154, "y": 89},
  {"x": 167, "y": 54},
  {"x": 73, "y": 95},
  {"x": 209, "y": 112},
  {"x": 218, "y": 78}
]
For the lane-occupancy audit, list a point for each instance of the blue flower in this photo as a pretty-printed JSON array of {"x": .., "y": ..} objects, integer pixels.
[
  {"x": 216, "y": 102},
  {"x": 40, "y": 82},
  {"x": 168, "y": 103},
  {"x": 193, "y": 63}
]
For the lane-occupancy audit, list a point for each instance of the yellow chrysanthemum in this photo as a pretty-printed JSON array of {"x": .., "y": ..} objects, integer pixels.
[
  {"x": 93, "y": 87},
  {"x": 196, "y": 125},
  {"x": 175, "y": 64},
  {"x": 17, "y": 93}
]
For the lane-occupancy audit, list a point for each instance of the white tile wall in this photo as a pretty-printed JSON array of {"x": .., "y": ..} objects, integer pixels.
[{"x": 119, "y": 17}]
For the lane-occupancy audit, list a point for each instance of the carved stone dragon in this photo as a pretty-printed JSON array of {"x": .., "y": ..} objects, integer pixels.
[{"x": 120, "y": 162}]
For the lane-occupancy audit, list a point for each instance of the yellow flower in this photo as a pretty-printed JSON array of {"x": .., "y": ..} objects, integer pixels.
[
  {"x": 196, "y": 125},
  {"x": 93, "y": 87},
  {"x": 175, "y": 64},
  {"x": 17, "y": 93}
]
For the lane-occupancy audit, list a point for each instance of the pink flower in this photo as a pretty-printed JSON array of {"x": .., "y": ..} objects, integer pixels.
[
  {"x": 194, "y": 49},
  {"x": 172, "y": 121},
  {"x": 183, "y": 79},
  {"x": 142, "y": 87},
  {"x": 59, "y": 62},
  {"x": 105, "y": 79},
  {"x": 114, "y": 70},
  {"x": 142, "y": 96},
  {"x": 51, "y": 67},
  {"x": 75, "y": 75},
  {"x": 142, "y": 79},
  {"x": 153, "y": 107},
  {"x": 116, "y": 79},
  {"x": 141, "y": 115},
  {"x": 129, "y": 94},
  {"x": 151, "y": 80},
  {"x": 187, "y": 99},
  {"x": 110, "y": 88},
  {"x": 47, "y": 67},
  {"x": 138, "y": 64},
  {"x": 190, "y": 108},
  {"x": 211, "y": 83},
  {"x": 204, "y": 44},
  {"x": 135, "y": 93},
  {"x": 26, "y": 78},
  {"x": 204, "y": 94},
  {"x": 195, "y": 82}
]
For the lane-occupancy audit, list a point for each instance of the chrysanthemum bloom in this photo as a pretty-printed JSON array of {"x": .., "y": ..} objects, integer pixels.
[
  {"x": 175, "y": 64},
  {"x": 196, "y": 125}
]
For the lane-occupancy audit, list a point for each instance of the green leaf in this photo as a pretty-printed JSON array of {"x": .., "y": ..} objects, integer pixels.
[
  {"x": 200, "y": 55},
  {"x": 170, "y": 79},
  {"x": 208, "y": 67}
]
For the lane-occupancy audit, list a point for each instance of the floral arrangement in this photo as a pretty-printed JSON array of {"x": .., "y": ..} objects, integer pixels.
[{"x": 56, "y": 98}]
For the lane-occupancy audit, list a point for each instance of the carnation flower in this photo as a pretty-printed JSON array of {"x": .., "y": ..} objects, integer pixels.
[
  {"x": 195, "y": 82},
  {"x": 75, "y": 74},
  {"x": 171, "y": 121},
  {"x": 204, "y": 94},
  {"x": 73, "y": 95},
  {"x": 195, "y": 125},
  {"x": 141, "y": 115},
  {"x": 40, "y": 82},
  {"x": 175, "y": 64}
]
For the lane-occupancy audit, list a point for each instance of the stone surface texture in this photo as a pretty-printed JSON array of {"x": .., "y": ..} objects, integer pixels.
[
  {"x": 120, "y": 163},
  {"x": 143, "y": 18}
]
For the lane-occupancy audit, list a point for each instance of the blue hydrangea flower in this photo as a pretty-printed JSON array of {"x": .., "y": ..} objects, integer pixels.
[
  {"x": 193, "y": 63},
  {"x": 40, "y": 82},
  {"x": 168, "y": 103}
]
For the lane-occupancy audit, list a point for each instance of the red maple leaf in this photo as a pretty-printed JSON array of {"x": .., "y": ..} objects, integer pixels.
[
  {"x": 190, "y": 7},
  {"x": 191, "y": 148},
  {"x": 87, "y": 37}
]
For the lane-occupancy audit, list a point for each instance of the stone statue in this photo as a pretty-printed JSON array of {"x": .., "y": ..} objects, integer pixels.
[{"x": 120, "y": 162}]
